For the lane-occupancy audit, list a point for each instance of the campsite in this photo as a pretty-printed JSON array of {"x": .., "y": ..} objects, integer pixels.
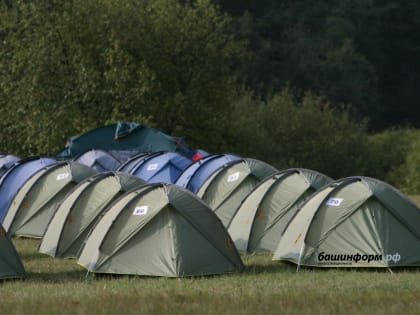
[{"x": 209, "y": 157}]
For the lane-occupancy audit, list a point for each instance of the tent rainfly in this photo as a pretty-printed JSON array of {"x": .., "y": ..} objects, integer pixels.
[
  {"x": 36, "y": 200},
  {"x": 99, "y": 160},
  {"x": 227, "y": 187},
  {"x": 354, "y": 222},
  {"x": 123, "y": 139},
  {"x": 262, "y": 217},
  {"x": 79, "y": 211},
  {"x": 10, "y": 263},
  {"x": 161, "y": 167},
  {"x": 160, "y": 230},
  {"x": 196, "y": 173},
  {"x": 16, "y": 176},
  {"x": 7, "y": 161}
]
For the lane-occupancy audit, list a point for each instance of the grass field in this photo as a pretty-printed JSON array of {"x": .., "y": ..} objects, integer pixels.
[{"x": 56, "y": 286}]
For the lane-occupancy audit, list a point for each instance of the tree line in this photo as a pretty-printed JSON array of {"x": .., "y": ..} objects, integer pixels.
[{"x": 330, "y": 85}]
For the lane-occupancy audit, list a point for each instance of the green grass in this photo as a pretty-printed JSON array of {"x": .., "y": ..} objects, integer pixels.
[{"x": 56, "y": 286}]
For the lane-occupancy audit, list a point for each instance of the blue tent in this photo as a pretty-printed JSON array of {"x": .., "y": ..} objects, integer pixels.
[
  {"x": 7, "y": 161},
  {"x": 99, "y": 160},
  {"x": 196, "y": 174},
  {"x": 162, "y": 167},
  {"x": 127, "y": 138},
  {"x": 128, "y": 165},
  {"x": 16, "y": 176}
]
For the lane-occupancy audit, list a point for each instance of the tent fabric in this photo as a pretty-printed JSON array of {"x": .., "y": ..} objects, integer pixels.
[
  {"x": 227, "y": 187},
  {"x": 262, "y": 217},
  {"x": 99, "y": 160},
  {"x": 162, "y": 167},
  {"x": 36, "y": 200},
  {"x": 193, "y": 177},
  {"x": 10, "y": 263},
  {"x": 80, "y": 210},
  {"x": 160, "y": 230},
  {"x": 123, "y": 136},
  {"x": 16, "y": 176},
  {"x": 130, "y": 163},
  {"x": 354, "y": 222},
  {"x": 7, "y": 161}
]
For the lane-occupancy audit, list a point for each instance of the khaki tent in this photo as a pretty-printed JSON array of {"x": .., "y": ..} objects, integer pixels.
[
  {"x": 80, "y": 210},
  {"x": 10, "y": 262},
  {"x": 228, "y": 186},
  {"x": 37, "y": 199},
  {"x": 160, "y": 230},
  {"x": 354, "y": 222},
  {"x": 262, "y": 217}
]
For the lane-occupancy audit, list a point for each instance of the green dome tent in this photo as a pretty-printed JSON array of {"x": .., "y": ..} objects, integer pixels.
[
  {"x": 81, "y": 209},
  {"x": 36, "y": 200},
  {"x": 160, "y": 230},
  {"x": 123, "y": 140},
  {"x": 227, "y": 187},
  {"x": 354, "y": 222},
  {"x": 10, "y": 263},
  {"x": 262, "y": 217}
]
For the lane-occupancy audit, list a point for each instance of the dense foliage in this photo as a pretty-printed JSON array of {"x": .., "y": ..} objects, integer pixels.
[{"x": 328, "y": 85}]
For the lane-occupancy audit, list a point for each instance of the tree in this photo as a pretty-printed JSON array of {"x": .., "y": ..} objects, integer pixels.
[{"x": 67, "y": 67}]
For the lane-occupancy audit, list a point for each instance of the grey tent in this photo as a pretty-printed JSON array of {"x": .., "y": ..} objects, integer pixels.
[
  {"x": 10, "y": 263},
  {"x": 160, "y": 230},
  {"x": 262, "y": 217},
  {"x": 36, "y": 200},
  {"x": 354, "y": 222},
  {"x": 99, "y": 160},
  {"x": 228, "y": 186},
  {"x": 7, "y": 161},
  {"x": 80, "y": 210}
]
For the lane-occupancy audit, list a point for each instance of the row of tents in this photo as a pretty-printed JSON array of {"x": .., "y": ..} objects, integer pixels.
[{"x": 163, "y": 214}]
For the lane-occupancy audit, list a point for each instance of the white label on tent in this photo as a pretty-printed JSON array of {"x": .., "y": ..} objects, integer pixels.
[
  {"x": 233, "y": 177},
  {"x": 142, "y": 210},
  {"x": 152, "y": 167},
  {"x": 335, "y": 202},
  {"x": 63, "y": 176}
]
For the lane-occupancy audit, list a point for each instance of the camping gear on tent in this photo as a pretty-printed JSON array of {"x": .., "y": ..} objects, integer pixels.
[
  {"x": 160, "y": 230},
  {"x": 262, "y": 217},
  {"x": 99, "y": 160},
  {"x": 126, "y": 138},
  {"x": 354, "y": 222},
  {"x": 227, "y": 187},
  {"x": 16, "y": 176},
  {"x": 128, "y": 165},
  {"x": 10, "y": 263},
  {"x": 80, "y": 210},
  {"x": 196, "y": 173},
  {"x": 7, "y": 161},
  {"x": 36, "y": 200},
  {"x": 162, "y": 167}
]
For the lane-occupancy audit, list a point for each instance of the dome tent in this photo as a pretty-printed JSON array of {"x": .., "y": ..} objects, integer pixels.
[
  {"x": 16, "y": 176},
  {"x": 226, "y": 187},
  {"x": 79, "y": 211},
  {"x": 262, "y": 217},
  {"x": 354, "y": 222},
  {"x": 36, "y": 200},
  {"x": 162, "y": 167},
  {"x": 160, "y": 230},
  {"x": 99, "y": 160},
  {"x": 10, "y": 263},
  {"x": 196, "y": 173},
  {"x": 125, "y": 138},
  {"x": 7, "y": 161},
  {"x": 128, "y": 165}
]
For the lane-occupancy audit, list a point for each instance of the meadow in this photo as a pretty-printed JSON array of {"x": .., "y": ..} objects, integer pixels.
[{"x": 60, "y": 286}]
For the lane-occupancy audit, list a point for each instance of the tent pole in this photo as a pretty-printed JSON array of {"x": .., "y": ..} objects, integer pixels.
[{"x": 300, "y": 256}]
